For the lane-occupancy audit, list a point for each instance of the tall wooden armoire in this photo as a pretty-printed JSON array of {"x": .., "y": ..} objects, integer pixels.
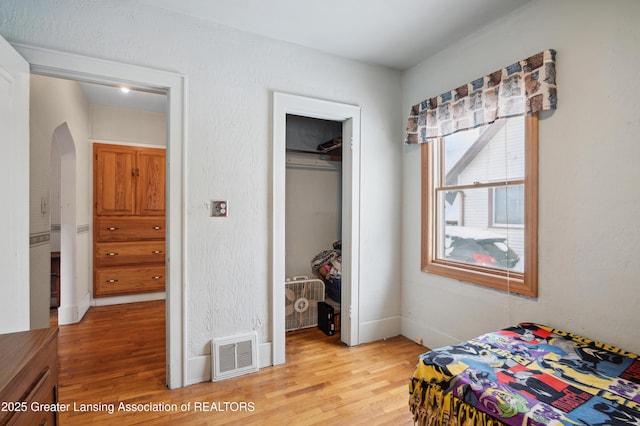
[{"x": 128, "y": 220}]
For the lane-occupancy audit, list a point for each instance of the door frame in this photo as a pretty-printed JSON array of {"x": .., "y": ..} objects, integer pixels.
[
  {"x": 83, "y": 68},
  {"x": 349, "y": 115}
]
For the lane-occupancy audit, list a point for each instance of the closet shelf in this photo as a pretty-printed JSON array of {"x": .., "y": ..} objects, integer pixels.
[{"x": 334, "y": 152}]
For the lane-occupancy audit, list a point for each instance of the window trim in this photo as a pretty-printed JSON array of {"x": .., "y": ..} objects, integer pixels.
[{"x": 513, "y": 282}]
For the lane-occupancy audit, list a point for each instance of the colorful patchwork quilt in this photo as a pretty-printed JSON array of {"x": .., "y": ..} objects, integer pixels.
[{"x": 529, "y": 374}]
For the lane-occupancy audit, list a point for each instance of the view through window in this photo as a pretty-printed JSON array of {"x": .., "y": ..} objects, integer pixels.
[{"x": 479, "y": 196}]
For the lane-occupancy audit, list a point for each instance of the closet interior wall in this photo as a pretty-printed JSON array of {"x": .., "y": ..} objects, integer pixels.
[{"x": 313, "y": 193}]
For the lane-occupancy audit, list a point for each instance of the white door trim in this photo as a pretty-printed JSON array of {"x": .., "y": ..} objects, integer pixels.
[
  {"x": 77, "y": 67},
  {"x": 349, "y": 115},
  {"x": 14, "y": 173}
]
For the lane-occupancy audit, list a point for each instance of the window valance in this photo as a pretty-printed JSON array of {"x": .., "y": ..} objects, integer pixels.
[{"x": 526, "y": 87}]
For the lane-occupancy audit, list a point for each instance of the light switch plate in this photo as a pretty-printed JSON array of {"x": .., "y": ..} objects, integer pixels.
[{"x": 219, "y": 208}]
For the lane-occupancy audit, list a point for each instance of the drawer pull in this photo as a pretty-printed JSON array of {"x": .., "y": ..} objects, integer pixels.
[
  {"x": 112, "y": 281},
  {"x": 156, "y": 277},
  {"x": 112, "y": 254},
  {"x": 112, "y": 228},
  {"x": 157, "y": 228},
  {"x": 42, "y": 379},
  {"x": 156, "y": 251}
]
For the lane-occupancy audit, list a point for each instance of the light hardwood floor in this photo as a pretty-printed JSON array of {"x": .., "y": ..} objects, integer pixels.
[{"x": 117, "y": 354}]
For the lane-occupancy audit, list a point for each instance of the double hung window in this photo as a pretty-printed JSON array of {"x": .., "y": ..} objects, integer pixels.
[{"x": 479, "y": 204}]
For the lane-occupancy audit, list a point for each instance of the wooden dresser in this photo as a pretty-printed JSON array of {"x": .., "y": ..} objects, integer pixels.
[
  {"x": 129, "y": 220},
  {"x": 29, "y": 377}
]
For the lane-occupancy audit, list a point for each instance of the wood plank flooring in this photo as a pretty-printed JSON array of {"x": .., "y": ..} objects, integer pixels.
[{"x": 116, "y": 354}]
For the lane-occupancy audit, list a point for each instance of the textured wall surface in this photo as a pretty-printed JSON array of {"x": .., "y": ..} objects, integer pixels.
[
  {"x": 589, "y": 197},
  {"x": 230, "y": 79}
]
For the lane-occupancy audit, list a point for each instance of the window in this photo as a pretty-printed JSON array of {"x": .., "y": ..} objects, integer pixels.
[
  {"x": 479, "y": 202},
  {"x": 508, "y": 206}
]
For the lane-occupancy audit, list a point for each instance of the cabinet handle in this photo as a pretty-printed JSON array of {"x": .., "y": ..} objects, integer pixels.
[
  {"x": 112, "y": 281},
  {"x": 112, "y": 228},
  {"x": 112, "y": 254},
  {"x": 156, "y": 252},
  {"x": 42, "y": 379},
  {"x": 156, "y": 277},
  {"x": 157, "y": 227}
]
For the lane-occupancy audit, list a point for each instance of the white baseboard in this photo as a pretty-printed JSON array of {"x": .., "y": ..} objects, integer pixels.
[
  {"x": 430, "y": 338},
  {"x": 379, "y": 329},
  {"x": 131, "y": 298},
  {"x": 73, "y": 314},
  {"x": 84, "y": 306},
  {"x": 198, "y": 370}
]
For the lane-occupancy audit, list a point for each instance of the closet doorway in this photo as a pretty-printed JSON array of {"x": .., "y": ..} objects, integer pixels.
[
  {"x": 346, "y": 117},
  {"x": 313, "y": 222}
]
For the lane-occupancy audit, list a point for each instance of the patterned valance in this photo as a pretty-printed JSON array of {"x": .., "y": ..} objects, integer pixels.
[{"x": 526, "y": 87}]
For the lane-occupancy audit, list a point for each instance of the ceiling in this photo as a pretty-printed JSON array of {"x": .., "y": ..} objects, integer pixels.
[
  {"x": 113, "y": 96},
  {"x": 392, "y": 33}
]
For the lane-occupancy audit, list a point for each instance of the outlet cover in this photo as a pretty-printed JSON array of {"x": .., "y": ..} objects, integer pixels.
[{"x": 219, "y": 208}]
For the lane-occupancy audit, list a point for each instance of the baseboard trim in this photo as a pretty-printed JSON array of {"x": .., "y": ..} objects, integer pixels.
[
  {"x": 131, "y": 298},
  {"x": 73, "y": 314},
  {"x": 379, "y": 329},
  {"x": 431, "y": 338}
]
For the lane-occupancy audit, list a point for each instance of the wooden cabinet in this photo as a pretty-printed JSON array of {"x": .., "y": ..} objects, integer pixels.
[
  {"x": 129, "y": 180},
  {"x": 129, "y": 220},
  {"x": 150, "y": 182},
  {"x": 29, "y": 377}
]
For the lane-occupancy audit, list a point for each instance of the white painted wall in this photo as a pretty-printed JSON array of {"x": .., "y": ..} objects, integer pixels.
[
  {"x": 231, "y": 77},
  {"x": 128, "y": 126},
  {"x": 313, "y": 214},
  {"x": 53, "y": 103},
  {"x": 589, "y": 197}
]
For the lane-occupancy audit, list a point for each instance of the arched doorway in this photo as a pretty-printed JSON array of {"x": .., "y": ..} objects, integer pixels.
[{"x": 63, "y": 182}]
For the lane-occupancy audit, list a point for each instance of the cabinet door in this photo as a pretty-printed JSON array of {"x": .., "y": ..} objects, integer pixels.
[
  {"x": 150, "y": 182},
  {"x": 113, "y": 174}
]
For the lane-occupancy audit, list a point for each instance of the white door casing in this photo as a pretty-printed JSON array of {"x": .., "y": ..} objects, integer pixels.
[
  {"x": 349, "y": 115},
  {"x": 77, "y": 67},
  {"x": 14, "y": 190}
]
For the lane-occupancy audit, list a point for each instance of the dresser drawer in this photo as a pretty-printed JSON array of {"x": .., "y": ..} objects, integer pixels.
[
  {"x": 129, "y": 228},
  {"x": 29, "y": 375},
  {"x": 129, "y": 279},
  {"x": 130, "y": 253}
]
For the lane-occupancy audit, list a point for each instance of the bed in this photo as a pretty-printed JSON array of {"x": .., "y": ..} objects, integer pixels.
[{"x": 528, "y": 374}]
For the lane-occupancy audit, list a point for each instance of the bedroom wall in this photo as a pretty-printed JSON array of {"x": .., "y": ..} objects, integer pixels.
[
  {"x": 589, "y": 197},
  {"x": 230, "y": 79}
]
